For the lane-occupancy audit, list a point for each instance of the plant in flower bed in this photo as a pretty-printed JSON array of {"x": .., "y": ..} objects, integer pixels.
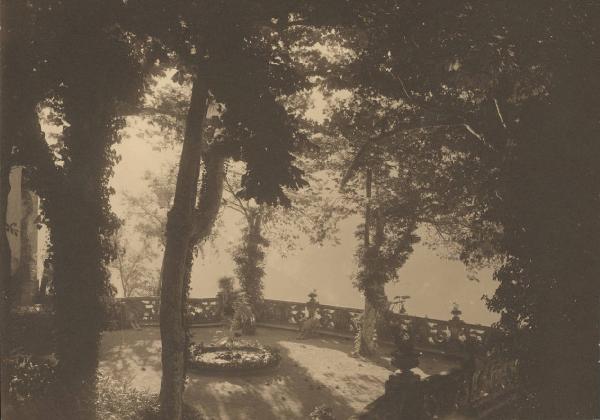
[
  {"x": 32, "y": 380},
  {"x": 233, "y": 356},
  {"x": 119, "y": 401},
  {"x": 243, "y": 315},
  {"x": 31, "y": 330},
  {"x": 322, "y": 412},
  {"x": 29, "y": 377}
]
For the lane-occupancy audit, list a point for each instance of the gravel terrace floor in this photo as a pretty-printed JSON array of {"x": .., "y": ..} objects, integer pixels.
[{"x": 312, "y": 372}]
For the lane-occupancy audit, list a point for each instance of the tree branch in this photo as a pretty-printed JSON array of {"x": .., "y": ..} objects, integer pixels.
[
  {"x": 357, "y": 162},
  {"x": 500, "y": 117},
  {"x": 240, "y": 204}
]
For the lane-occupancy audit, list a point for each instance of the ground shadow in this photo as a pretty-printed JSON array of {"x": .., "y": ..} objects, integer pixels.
[
  {"x": 313, "y": 372},
  {"x": 290, "y": 392},
  {"x": 133, "y": 357}
]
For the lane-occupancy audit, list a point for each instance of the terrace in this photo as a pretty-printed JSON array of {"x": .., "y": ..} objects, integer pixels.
[
  {"x": 316, "y": 371},
  {"x": 313, "y": 372}
]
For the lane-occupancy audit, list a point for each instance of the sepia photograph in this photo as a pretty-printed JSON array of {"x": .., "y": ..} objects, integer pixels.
[{"x": 299, "y": 210}]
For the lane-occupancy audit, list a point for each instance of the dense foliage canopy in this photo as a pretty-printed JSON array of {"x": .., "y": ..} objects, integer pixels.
[{"x": 477, "y": 119}]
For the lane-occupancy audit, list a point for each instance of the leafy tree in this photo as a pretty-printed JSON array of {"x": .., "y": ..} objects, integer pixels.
[
  {"x": 149, "y": 211},
  {"x": 134, "y": 267},
  {"x": 249, "y": 127},
  {"x": 75, "y": 59},
  {"x": 514, "y": 83},
  {"x": 311, "y": 214},
  {"x": 224, "y": 48},
  {"x": 398, "y": 184},
  {"x": 19, "y": 91}
]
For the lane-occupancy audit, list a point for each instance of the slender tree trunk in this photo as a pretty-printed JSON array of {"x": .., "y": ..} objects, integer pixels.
[
  {"x": 374, "y": 291},
  {"x": 209, "y": 203},
  {"x": 122, "y": 275},
  {"x": 180, "y": 222},
  {"x": 366, "y": 340},
  {"x": 253, "y": 259},
  {"x": 11, "y": 17},
  {"x": 4, "y": 266}
]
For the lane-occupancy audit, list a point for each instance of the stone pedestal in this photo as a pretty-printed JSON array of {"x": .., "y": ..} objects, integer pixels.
[{"x": 403, "y": 400}]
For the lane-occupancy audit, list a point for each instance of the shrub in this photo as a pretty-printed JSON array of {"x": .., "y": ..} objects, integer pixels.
[
  {"x": 225, "y": 297},
  {"x": 322, "y": 412},
  {"x": 30, "y": 377},
  {"x": 119, "y": 401},
  {"x": 309, "y": 327},
  {"x": 243, "y": 316},
  {"x": 31, "y": 330},
  {"x": 32, "y": 382}
]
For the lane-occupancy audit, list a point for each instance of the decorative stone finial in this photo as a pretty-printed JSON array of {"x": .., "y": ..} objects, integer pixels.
[
  {"x": 312, "y": 304},
  {"x": 456, "y": 312}
]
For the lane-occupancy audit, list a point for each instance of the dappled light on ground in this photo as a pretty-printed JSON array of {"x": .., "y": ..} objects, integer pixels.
[
  {"x": 316, "y": 371},
  {"x": 356, "y": 381}
]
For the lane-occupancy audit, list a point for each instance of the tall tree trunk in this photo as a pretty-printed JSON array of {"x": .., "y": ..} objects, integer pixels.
[
  {"x": 365, "y": 344},
  {"x": 80, "y": 223},
  {"x": 4, "y": 266},
  {"x": 74, "y": 203},
  {"x": 251, "y": 268},
  {"x": 209, "y": 203},
  {"x": 13, "y": 90},
  {"x": 180, "y": 222},
  {"x": 366, "y": 340}
]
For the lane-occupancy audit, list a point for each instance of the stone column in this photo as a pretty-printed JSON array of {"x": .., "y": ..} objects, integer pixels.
[{"x": 23, "y": 209}]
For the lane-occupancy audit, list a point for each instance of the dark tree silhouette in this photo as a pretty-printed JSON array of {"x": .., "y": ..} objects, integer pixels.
[
  {"x": 516, "y": 84},
  {"x": 75, "y": 59}
]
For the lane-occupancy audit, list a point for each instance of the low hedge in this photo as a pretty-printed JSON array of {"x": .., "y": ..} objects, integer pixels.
[{"x": 268, "y": 357}]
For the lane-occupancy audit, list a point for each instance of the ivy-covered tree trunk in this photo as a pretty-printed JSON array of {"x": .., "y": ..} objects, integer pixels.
[
  {"x": 180, "y": 223},
  {"x": 80, "y": 223},
  {"x": 366, "y": 340},
  {"x": 209, "y": 203},
  {"x": 75, "y": 207},
  {"x": 366, "y": 343},
  {"x": 249, "y": 258},
  {"x": 374, "y": 292}
]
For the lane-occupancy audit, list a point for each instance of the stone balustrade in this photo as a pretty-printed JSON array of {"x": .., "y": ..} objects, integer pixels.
[
  {"x": 485, "y": 386},
  {"x": 428, "y": 334}
]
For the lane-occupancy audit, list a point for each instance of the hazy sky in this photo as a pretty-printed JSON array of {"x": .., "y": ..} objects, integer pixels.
[{"x": 433, "y": 283}]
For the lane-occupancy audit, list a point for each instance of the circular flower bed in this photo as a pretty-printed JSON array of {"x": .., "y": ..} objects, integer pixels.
[{"x": 233, "y": 358}]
